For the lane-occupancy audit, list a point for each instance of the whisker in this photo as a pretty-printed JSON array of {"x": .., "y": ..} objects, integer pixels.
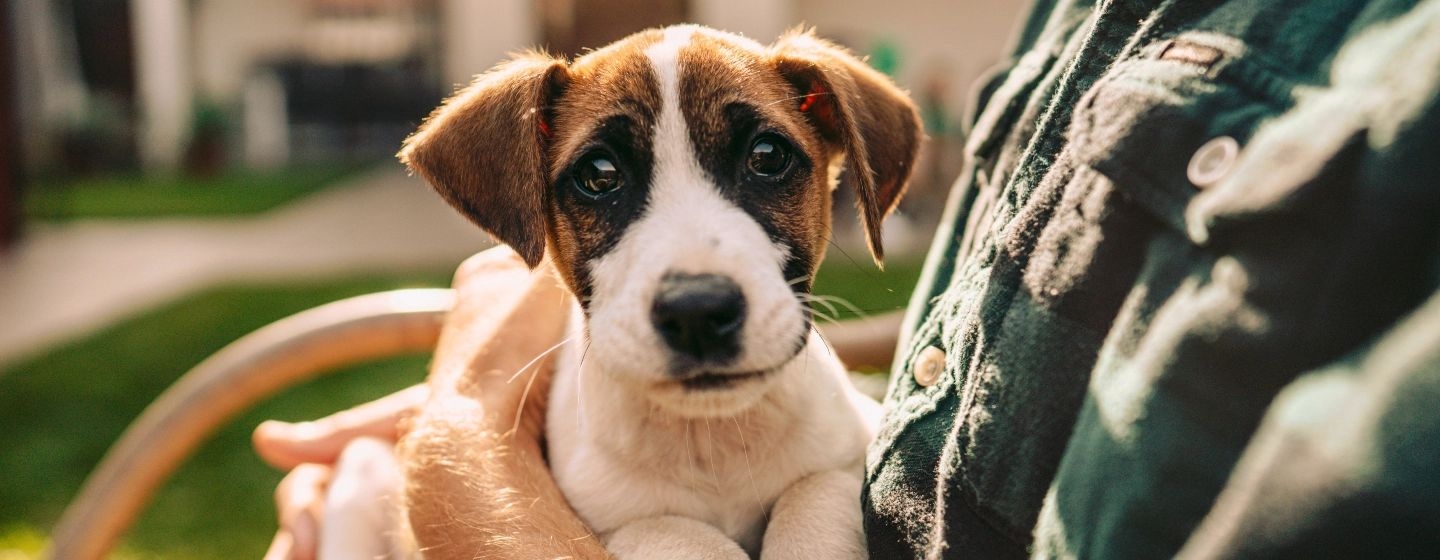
[
  {"x": 806, "y": 372},
  {"x": 689, "y": 451},
  {"x": 863, "y": 270},
  {"x": 825, "y": 341},
  {"x": 710, "y": 435},
  {"x": 524, "y": 397},
  {"x": 844, "y": 303},
  {"x": 795, "y": 97},
  {"x": 580, "y": 389},
  {"x": 816, "y": 312},
  {"x": 750, "y": 472},
  {"x": 538, "y": 358},
  {"x": 813, "y": 299}
]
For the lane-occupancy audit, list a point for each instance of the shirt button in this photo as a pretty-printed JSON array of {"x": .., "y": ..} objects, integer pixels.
[
  {"x": 928, "y": 366},
  {"x": 1213, "y": 161}
]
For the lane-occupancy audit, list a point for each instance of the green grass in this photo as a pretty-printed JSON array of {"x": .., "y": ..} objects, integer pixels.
[
  {"x": 854, "y": 278},
  {"x": 133, "y": 196},
  {"x": 61, "y": 410}
]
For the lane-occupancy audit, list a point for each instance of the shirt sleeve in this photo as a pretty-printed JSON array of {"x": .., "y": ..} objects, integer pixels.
[{"x": 1346, "y": 463}]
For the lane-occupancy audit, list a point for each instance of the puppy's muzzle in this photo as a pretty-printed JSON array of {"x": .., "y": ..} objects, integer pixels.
[{"x": 699, "y": 316}]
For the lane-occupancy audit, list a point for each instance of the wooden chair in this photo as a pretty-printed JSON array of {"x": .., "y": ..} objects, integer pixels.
[{"x": 258, "y": 365}]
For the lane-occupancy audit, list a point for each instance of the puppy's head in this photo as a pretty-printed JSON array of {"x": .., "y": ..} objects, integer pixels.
[{"x": 680, "y": 181}]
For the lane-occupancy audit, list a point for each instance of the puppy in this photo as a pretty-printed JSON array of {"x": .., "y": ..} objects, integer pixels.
[{"x": 680, "y": 181}]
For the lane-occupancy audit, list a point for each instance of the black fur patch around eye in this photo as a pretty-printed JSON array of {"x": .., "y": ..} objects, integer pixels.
[
  {"x": 730, "y": 98},
  {"x": 780, "y": 208},
  {"x": 588, "y": 226}
]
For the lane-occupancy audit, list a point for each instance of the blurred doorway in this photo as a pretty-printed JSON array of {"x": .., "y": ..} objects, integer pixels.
[{"x": 569, "y": 26}]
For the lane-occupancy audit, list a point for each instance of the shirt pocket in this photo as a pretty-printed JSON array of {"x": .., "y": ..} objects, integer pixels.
[
  {"x": 1172, "y": 129},
  {"x": 1170, "y": 143},
  {"x": 1145, "y": 142}
]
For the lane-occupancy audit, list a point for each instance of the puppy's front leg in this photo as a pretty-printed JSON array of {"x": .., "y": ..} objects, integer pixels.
[
  {"x": 363, "y": 517},
  {"x": 817, "y": 517},
  {"x": 671, "y": 536}
]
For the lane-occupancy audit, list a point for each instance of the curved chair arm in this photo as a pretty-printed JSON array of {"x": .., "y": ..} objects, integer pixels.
[{"x": 277, "y": 356}]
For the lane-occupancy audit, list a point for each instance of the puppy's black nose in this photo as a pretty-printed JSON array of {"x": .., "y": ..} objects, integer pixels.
[{"x": 699, "y": 315}]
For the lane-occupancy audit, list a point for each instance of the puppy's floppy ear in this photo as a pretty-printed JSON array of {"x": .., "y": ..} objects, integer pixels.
[
  {"x": 484, "y": 150},
  {"x": 859, "y": 112}
]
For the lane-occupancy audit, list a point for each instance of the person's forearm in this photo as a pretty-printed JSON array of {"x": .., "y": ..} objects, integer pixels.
[
  {"x": 477, "y": 482},
  {"x": 478, "y": 491}
]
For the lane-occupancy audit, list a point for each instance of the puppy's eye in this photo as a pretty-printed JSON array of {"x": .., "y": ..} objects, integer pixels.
[
  {"x": 769, "y": 156},
  {"x": 597, "y": 175}
]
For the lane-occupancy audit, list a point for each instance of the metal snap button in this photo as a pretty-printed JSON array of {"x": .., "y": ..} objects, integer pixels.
[
  {"x": 1213, "y": 161},
  {"x": 928, "y": 366}
]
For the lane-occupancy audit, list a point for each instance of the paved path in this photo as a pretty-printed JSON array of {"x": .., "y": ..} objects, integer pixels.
[{"x": 67, "y": 280}]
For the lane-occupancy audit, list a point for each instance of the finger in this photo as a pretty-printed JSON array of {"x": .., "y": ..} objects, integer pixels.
[
  {"x": 299, "y": 505},
  {"x": 496, "y": 260},
  {"x": 281, "y": 547},
  {"x": 284, "y": 445},
  {"x": 497, "y": 348},
  {"x": 305, "y": 532},
  {"x": 286, "y": 547}
]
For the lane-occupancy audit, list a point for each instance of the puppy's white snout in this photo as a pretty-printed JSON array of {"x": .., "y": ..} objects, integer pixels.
[{"x": 699, "y": 316}]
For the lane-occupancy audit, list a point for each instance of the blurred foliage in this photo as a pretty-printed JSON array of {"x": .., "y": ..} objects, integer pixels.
[
  {"x": 885, "y": 57},
  {"x": 133, "y": 196},
  {"x": 205, "y": 157},
  {"x": 62, "y": 410}
]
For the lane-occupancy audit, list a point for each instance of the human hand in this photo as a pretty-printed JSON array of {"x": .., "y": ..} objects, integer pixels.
[
  {"x": 476, "y": 471},
  {"x": 309, "y": 450},
  {"x": 486, "y": 284}
]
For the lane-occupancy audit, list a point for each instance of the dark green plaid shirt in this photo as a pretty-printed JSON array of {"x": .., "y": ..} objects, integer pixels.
[{"x": 1185, "y": 299}]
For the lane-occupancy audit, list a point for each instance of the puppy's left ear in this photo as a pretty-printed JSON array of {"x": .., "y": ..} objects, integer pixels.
[
  {"x": 484, "y": 150},
  {"x": 860, "y": 113}
]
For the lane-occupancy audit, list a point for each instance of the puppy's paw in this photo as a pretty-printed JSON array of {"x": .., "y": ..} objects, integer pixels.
[
  {"x": 669, "y": 536},
  {"x": 362, "y": 506},
  {"x": 817, "y": 517}
]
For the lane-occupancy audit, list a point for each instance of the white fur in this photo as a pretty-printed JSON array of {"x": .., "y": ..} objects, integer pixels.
[
  {"x": 363, "y": 505},
  {"x": 629, "y": 445},
  {"x": 689, "y": 228},
  {"x": 619, "y": 458},
  {"x": 659, "y": 471}
]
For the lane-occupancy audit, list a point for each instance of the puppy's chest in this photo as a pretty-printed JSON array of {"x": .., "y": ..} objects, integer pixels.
[
  {"x": 725, "y": 493},
  {"x": 616, "y": 463}
]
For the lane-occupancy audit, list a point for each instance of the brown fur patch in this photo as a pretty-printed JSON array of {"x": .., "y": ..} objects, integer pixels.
[
  {"x": 503, "y": 150},
  {"x": 483, "y": 150},
  {"x": 732, "y": 95},
  {"x": 611, "y": 106},
  {"x": 860, "y": 111}
]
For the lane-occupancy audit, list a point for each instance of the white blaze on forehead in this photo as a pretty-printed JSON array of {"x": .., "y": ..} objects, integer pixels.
[
  {"x": 685, "y": 207},
  {"x": 687, "y": 227},
  {"x": 674, "y": 158},
  {"x": 665, "y": 58}
]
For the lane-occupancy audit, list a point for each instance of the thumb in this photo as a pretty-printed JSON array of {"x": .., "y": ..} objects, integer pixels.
[{"x": 284, "y": 445}]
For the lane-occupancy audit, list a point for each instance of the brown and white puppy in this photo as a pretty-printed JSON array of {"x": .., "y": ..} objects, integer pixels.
[{"x": 680, "y": 180}]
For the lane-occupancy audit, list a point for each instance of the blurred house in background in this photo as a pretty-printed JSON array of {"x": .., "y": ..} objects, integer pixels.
[{"x": 197, "y": 86}]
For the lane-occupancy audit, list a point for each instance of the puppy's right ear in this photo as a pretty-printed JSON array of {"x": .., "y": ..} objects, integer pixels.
[{"x": 484, "y": 150}]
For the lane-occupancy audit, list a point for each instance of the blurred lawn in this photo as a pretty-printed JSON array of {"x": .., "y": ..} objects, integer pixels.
[
  {"x": 63, "y": 409},
  {"x": 133, "y": 196}
]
